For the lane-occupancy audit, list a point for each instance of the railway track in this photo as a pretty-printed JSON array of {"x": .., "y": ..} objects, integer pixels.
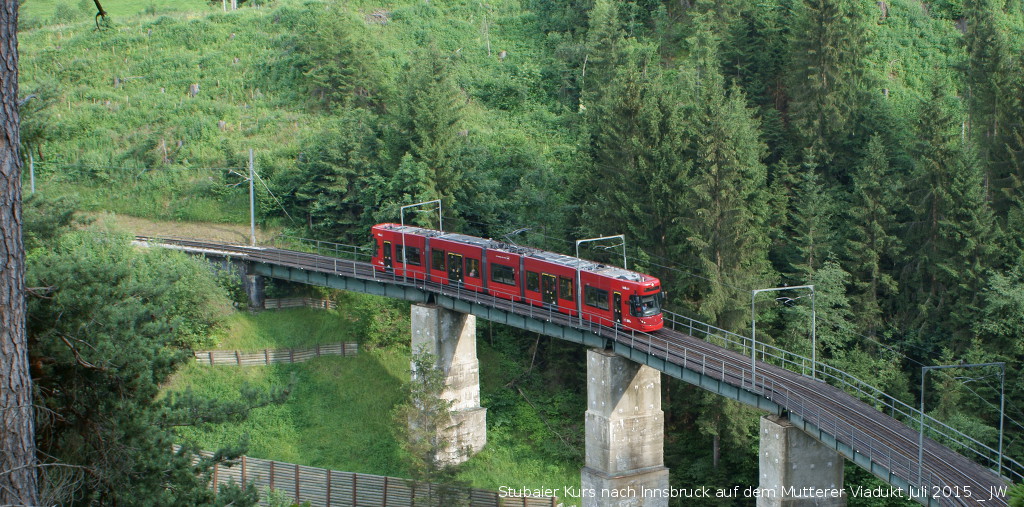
[{"x": 945, "y": 477}]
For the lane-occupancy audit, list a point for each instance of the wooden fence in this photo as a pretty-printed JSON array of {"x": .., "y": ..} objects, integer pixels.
[
  {"x": 277, "y": 304},
  {"x": 330, "y": 488},
  {"x": 270, "y": 356}
]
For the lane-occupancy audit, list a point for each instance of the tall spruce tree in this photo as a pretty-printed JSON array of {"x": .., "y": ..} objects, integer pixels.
[
  {"x": 333, "y": 49},
  {"x": 605, "y": 39},
  {"x": 727, "y": 203},
  {"x": 952, "y": 230},
  {"x": 428, "y": 122},
  {"x": 994, "y": 107},
  {"x": 811, "y": 233},
  {"x": 338, "y": 172},
  {"x": 108, "y": 324},
  {"x": 829, "y": 45},
  {"x": 872, "y": 244},
  {"x": 723, "y": 219},
  {"x": 637, "y": 175}
]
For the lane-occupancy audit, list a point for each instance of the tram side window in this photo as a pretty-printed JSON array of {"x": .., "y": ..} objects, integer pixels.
[
  {"x": 565, "y": 288},
  {"x": 595, "y": 297},
  {"x": 503, "y": 274},
  {"x": 532, "y": 281},
  {"x": 473, "y": 267},
  {"x": 437, "y": 259},
  {"x": 412, "y": 255}
]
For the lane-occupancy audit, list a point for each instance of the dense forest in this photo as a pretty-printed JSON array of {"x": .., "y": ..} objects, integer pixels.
[{"x": 873, "y": 149}]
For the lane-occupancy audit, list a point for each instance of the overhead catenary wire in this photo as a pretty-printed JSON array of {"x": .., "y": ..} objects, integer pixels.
[{"x": 260, "y": 178}]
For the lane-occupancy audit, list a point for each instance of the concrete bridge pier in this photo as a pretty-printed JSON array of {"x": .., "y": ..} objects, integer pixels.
[
  {"x": 795, "y": 470},
  {"x": 255, "y": 288},
  {"x": 625, "y": 434},
  {"x": 451, "y": 337},
  {"x": 253, "y": 285}
]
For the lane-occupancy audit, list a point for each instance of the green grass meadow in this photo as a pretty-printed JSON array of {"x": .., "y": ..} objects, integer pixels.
[
  {"x": 288, "y": 328},
  {"x": 339, "y": 415}
]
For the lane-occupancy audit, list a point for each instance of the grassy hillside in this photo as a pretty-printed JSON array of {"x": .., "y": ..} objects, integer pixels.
[{"x": 114, "y": 120}]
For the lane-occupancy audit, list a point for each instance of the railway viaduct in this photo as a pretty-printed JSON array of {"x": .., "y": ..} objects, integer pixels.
[{"x": 811, "y": 428}]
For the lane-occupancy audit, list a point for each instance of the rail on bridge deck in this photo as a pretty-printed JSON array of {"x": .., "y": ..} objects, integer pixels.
[{"x": 870, "y": 428}]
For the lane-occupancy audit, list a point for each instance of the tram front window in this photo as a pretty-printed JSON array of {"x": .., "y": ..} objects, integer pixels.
[{"x": 646, "y": 306}]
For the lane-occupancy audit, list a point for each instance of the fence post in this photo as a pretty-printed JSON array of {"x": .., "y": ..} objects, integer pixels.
[
  {"x": 353, "y": 489},
  {"x": 266, "y": 356},
  {"x": 343, "y": 353},
  {"x": 216, "y": 468},
  {"x": 272, "y": 476},
  {"x": 243, "y": 471},
  {"x": 291, "y": 355},
  {"x": 328, "y": 488},
  {"x": 297, "y": 485},
  {"x": 238, "y": 358},
  {"x": 211, "y": 358},
  {"x": 318, "y": 350},
  {"x": 384, "y": 501}
]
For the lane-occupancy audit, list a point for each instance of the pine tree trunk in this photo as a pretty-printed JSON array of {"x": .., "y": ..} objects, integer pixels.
[{"x": 18, "y": 483}]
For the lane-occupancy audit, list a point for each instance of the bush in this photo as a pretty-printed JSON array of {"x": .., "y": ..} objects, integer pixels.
[{"x": 64, "y": 13}]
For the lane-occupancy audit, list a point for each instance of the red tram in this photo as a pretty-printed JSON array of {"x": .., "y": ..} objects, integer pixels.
[{"x": 610, "y": 294}]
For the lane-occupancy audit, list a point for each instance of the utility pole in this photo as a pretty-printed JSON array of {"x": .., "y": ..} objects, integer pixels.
[
  {"x": 1002, "y": 411},
  {"x": 579, "y": 279},
  {"x": 252, "y": 201},
  {"x": 753, "y": 330}
]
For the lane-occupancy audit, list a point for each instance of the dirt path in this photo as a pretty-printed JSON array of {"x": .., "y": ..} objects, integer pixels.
[{"x": 230, "y": 233}]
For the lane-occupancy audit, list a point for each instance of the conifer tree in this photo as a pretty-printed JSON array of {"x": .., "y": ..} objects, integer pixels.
[
  {"x": 338, "y": 173},
  {"x": 110, "y": 325},
  {"x": 826, "y": 79},
  {"x": 425, "y": 419},
  {"x": 637, "y": 174},
  {"x": 333, "y": 51},
  {"x": 604, "y": 43},
  {"x": 812, "y": 235},
  {"x": 727, "y": 204},
  {"x": 18, "y": 473},
  {"x": 995, "y": 115},
  {"x": 724, "y": 216},
  {"x": 953, "y": 227},
  {"x": 428, "y": 121},
  {"x": 872, "y": 244}
]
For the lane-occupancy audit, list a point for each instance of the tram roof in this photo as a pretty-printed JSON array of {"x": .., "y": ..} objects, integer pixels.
[{"x": 552, "y": 257}]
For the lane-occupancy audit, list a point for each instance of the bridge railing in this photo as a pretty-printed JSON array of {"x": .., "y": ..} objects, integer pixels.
[
  {"x": 866, "y": 392},
  {"x": 321, "y": 247},
  {"x": 788, "y": 395},
  {"x": 791, "y": 396}
]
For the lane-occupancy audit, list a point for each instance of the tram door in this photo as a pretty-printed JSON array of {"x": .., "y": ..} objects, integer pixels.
[
  {"x": 387, "y": 254},
  {"x": 454, "y": 268},
  {"x": 617, "y": 300},
  {"x": 548, "y": 288}
]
